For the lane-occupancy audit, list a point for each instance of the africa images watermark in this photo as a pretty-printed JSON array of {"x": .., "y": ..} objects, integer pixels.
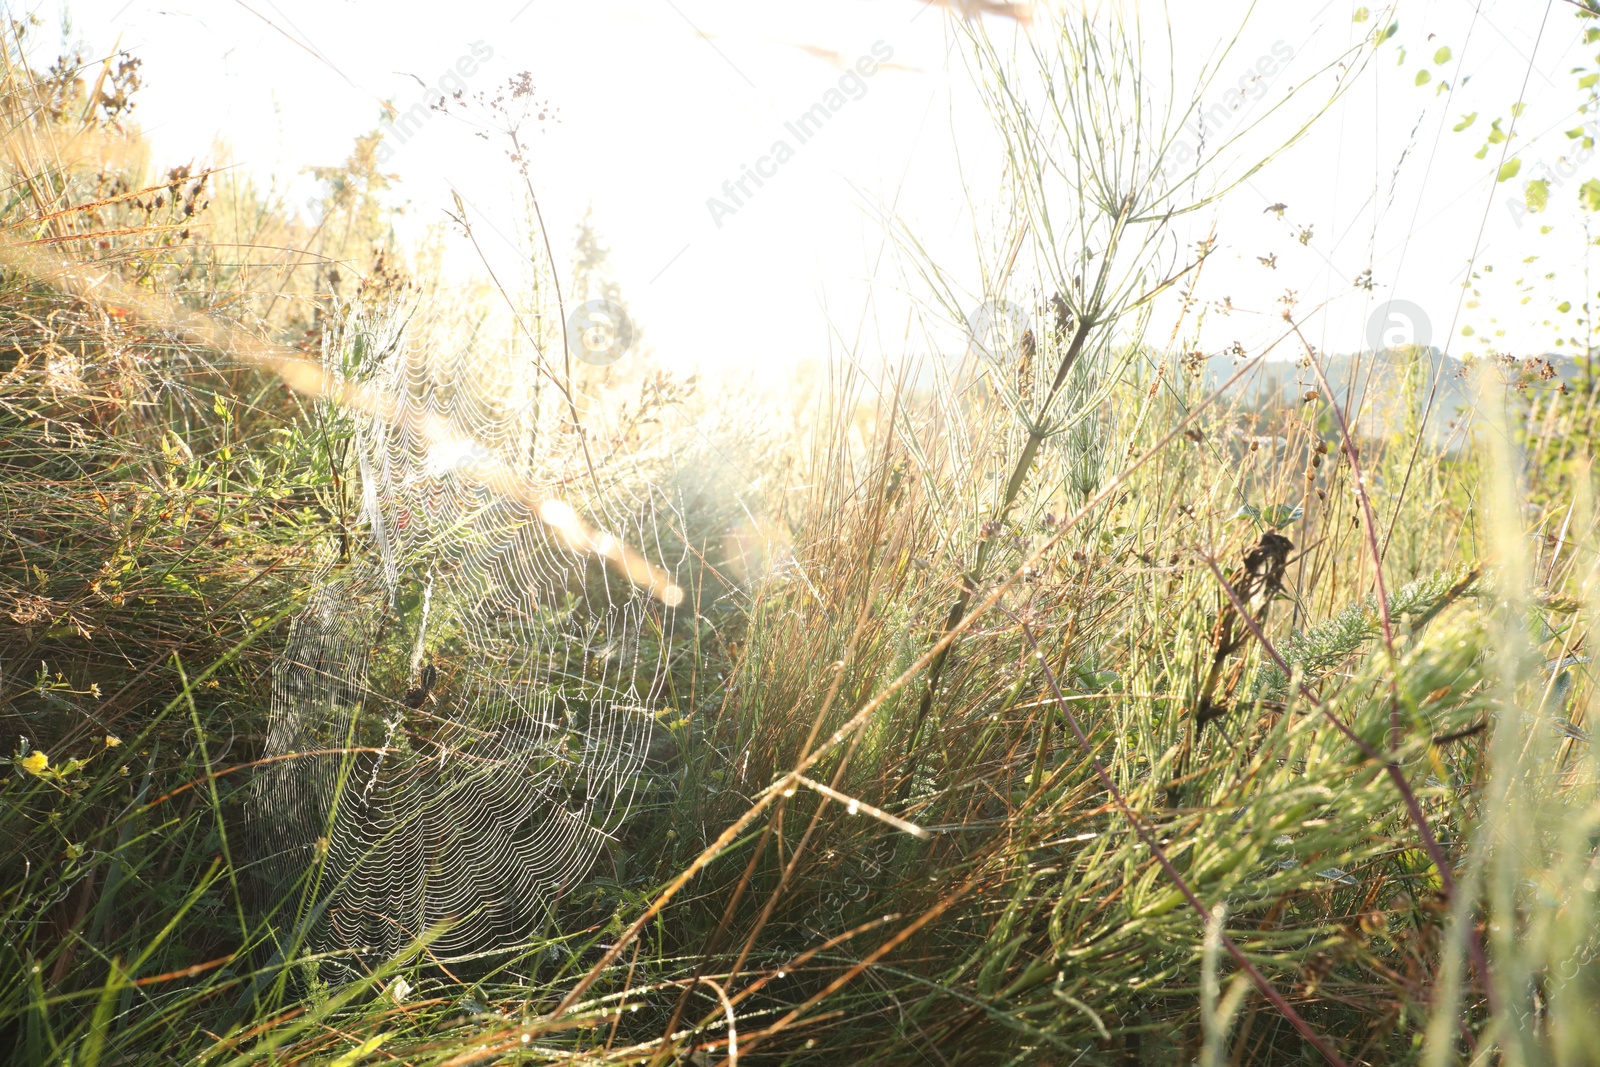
[
  {"x": 451, "y": 84},
  {"x": 985, "y": 336},
  {"x": 996, "y": 328},
  {"x": 1396, "y": 324},
  {"x": 852, "y": 85},
  {"x": 1210, "y": 122},
  {"x": 599, "y": 332}
]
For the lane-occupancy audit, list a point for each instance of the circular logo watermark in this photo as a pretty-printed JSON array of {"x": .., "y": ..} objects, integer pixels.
[
  {"x": 599, "y": 332},
  {"x": 1398, "y": 323},
  {"x": 989, "y": 342}
]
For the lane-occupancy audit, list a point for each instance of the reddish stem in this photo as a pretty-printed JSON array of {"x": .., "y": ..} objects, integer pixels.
[{"x": 1316, "y": 1040}]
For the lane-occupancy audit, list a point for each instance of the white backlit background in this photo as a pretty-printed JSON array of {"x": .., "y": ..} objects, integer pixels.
[{"x": 662, "y": 101}]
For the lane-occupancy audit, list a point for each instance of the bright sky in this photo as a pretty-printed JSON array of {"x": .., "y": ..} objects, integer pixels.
[{"x": 663, "y": 101}]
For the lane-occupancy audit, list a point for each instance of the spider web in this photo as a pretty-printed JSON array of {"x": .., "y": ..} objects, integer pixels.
[{"x": 461, "y": 712}]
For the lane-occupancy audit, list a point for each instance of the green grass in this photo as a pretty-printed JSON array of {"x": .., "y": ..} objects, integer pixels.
[{"x": 970, "y": 574}]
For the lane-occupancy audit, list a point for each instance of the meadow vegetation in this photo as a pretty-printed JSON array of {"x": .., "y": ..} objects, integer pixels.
[{"x": 1041, "y": 705}]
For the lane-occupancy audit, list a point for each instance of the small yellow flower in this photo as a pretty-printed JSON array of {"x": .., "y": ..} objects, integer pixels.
[
  {"x": 34, "y": 763},
  {"x": 112, "y": 741}
]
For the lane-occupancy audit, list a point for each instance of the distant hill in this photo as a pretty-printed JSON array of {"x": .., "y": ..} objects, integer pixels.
[{"x": 1373, "y": 386}]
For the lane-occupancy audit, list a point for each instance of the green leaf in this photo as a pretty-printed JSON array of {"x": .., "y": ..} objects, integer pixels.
[
  {"x": 1423, "y": 78},
  {"x": 1361, "y": 15},
  {"x": 1280, "y": 515},
  {"x": 1590, "y": 36},
  {"x": 1096, "y": 681},
  {"x": 100, "y": 1025},
  {"x": 1537, "y": 194},
  {"x": 1442, "y": 55},
  {"x": 1508, "y": 169},
  {"x": 360, "y": 1052},
  {"x": 1564, "y": 307},
  {"x": 1517, "y": 109},
  {"x": 1394, "y": 28},
  {"x": 1589, "y": 194},
  {"x": 1466, "y": 120},
  {"x": 181, "y": 585},
  {"x": 1588, "y": 81},
  {"x": 1274, "y": 515}
]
